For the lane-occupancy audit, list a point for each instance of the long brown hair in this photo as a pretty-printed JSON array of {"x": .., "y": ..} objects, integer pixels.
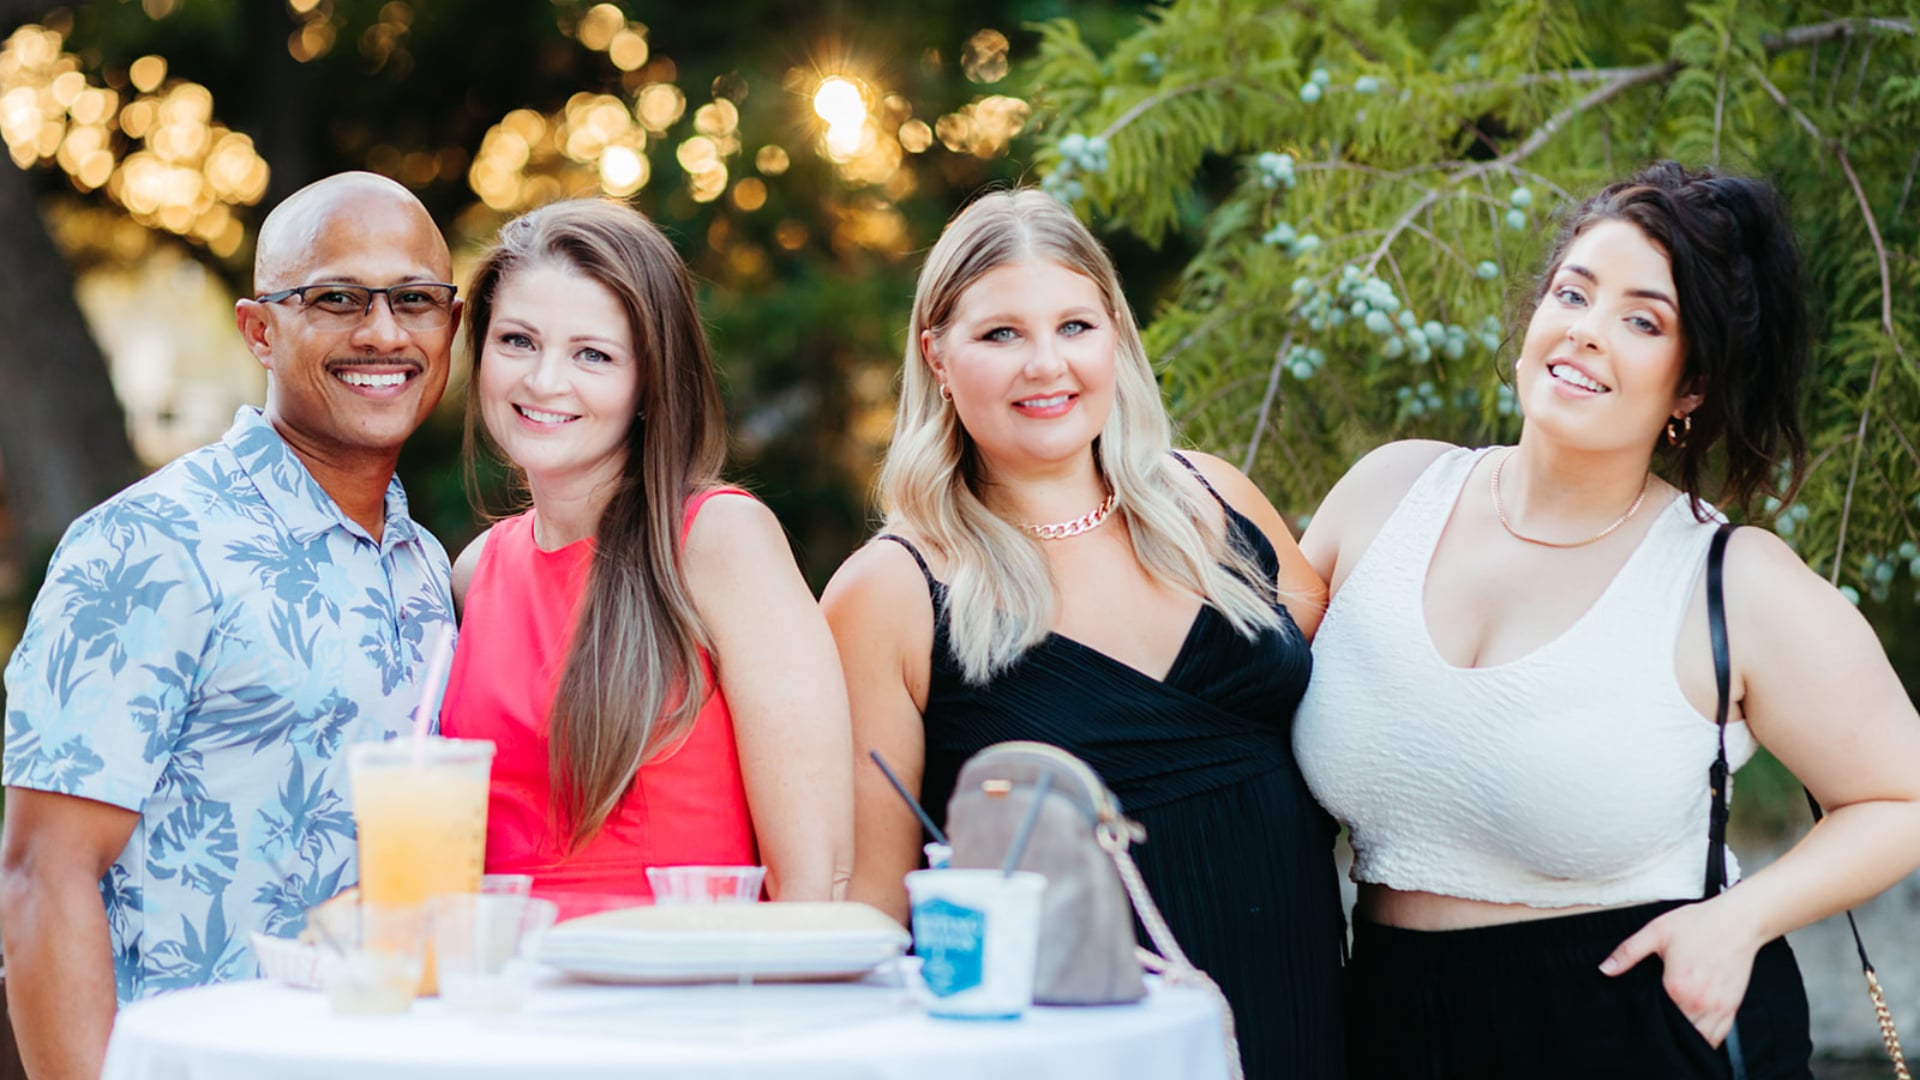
[{"x": 633, "y": 681}]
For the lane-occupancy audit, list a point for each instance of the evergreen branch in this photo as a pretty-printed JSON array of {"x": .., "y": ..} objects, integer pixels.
[
  {"x": 1266, "y": 402},
  {"x": 1625, "y": 79},
  {"x": 1860, "y": 196},
  {"x": 1886, "y": 302},
  {"x": 1900, "y": 436},
  {"x": 1853, "y": 472},
  {"x": 1160, "y": 98},
  {"x": 1906, "y": 188},
  {"x": 1798, "y": 37}
]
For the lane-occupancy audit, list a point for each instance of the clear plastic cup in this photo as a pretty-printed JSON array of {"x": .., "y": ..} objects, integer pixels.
[
  {"x": 507, "y": 884},
  {"x": 371, "y": 955},
  {"x": 421, "y": 813},
  {"x": 420, "y": 808},
  {"x": 483, "y": 943},
  {"x": 706, "y": 884},
  {"x": 977, "y": 933}
]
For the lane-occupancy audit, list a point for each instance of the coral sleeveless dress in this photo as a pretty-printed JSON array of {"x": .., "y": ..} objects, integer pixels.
[{"x": 687, "y": 806}]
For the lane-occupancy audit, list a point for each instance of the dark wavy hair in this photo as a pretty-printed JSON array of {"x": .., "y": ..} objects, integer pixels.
[{"x": 1743, "y": 324}]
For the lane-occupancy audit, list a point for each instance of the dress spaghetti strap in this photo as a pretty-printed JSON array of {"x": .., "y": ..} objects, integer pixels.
[
  {"x": 1200, "y": 476},
  {"x": 932, "y": 582}
]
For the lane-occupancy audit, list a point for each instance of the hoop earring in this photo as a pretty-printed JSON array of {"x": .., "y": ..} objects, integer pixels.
[
  {"x": 946, "y": 392},
  {"x": 1678, "y": 428}
]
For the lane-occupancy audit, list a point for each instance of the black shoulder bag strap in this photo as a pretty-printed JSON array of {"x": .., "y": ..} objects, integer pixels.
[
  {"x": 1717, "y": 817},
  {"x": 1717, "y": 775}
]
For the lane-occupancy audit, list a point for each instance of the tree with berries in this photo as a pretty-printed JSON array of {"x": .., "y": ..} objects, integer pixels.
[{"x": 1367, "y": 188}]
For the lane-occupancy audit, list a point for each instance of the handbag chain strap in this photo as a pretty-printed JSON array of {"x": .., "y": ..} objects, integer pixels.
[
  {"x": 1171, "y": 961},
  {"x": 1717, "y": 819}
]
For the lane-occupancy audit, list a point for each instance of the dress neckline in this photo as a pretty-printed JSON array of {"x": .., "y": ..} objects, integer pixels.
[{"x": 1558, "y": 640}]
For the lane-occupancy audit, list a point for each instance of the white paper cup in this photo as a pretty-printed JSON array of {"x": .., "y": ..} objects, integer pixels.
[{"x": 977, "y": 933}]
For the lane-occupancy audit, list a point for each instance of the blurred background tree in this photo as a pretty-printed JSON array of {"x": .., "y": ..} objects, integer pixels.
[
  {"x": 1367, "y": 190},
  {"x": 1328, "y": 208},
  {"x": 798, "y": 153}
]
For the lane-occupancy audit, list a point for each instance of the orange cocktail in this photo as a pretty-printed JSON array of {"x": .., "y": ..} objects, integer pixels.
[{"x": 421, "y": 811}]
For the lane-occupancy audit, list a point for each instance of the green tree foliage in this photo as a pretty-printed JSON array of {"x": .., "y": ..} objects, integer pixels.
[{"x": 1368, "y": 189}]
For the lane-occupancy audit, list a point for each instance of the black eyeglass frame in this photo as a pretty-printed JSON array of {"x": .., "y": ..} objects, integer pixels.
[{"x": 301, "y": 291}]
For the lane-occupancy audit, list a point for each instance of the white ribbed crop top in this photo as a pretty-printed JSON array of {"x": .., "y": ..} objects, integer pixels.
[{"x": 1576, "y": 774}]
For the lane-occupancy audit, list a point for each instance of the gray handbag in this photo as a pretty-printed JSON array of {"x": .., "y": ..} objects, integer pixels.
[{"x": 1079, "y": 841}]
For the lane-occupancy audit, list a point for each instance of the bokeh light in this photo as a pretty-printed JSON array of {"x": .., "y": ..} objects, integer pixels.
[
  {"x": 771, "y": 161},
  {"x": 161, "y": 156},
  {"x": 984, "y": 59},
  {"x": 750, "y": 194},
  {"x": 983, "y": 128}
]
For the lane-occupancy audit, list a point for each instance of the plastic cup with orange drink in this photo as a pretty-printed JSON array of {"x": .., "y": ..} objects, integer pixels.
[{"x": 420, "y": 806}]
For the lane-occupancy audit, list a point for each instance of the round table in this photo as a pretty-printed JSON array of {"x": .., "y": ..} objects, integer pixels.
[{"x": 579, "y": 1031}]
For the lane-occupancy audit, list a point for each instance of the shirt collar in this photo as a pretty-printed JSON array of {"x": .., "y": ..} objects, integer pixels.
[{"x": 292, "y": 493}]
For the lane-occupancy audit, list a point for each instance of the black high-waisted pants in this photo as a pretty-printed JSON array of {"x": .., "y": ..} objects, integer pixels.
[{"x": 1527, "y": 1001}]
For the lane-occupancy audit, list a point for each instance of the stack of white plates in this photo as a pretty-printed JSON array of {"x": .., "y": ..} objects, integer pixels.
[{"x": 725, "y": 943}]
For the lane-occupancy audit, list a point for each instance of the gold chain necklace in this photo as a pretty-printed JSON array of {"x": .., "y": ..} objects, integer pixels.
[
  {"x": 1086, "y": 522},
  {"x": 1501, "y": 513}
]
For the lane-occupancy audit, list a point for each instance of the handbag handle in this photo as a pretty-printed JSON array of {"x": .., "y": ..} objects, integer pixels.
[
  {"x": 1717, "y": 788},
  {"x": 1114, "y": 835}
]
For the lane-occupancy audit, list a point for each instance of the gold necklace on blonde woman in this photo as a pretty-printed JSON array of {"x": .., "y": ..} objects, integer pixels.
[
  {"x": 1085, "y": 523},
  {"x": 1500, "y": 511}
]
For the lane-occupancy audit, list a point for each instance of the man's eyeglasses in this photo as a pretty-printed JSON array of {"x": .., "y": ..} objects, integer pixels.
[{"x": 417, "y": 305}]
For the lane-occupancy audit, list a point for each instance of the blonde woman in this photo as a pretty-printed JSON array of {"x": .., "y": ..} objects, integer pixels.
[
  {"x": 1050, "y": 570},
  {"x": 639, "y": 645}
]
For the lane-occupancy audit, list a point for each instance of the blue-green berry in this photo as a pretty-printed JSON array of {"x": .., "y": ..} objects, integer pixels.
[
  {"x": 1366, "y": 84},
  {"x": 1280, "y": 235},
  {"x": 1521, "y": 198},
  {"x": 1310, "y": 92},
  {"x": 1320, "y": 76},
  {"x": 1487, "y": 270},
  {"x": 1516, "y": 220}
]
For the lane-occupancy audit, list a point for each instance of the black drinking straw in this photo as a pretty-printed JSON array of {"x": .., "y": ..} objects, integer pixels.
[
  {"x": 918, "y": 810},
  {"x": 1025, "y": 832}
]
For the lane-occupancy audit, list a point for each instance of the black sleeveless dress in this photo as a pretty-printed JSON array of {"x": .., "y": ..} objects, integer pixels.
[{"x": 1238, "y": 855}]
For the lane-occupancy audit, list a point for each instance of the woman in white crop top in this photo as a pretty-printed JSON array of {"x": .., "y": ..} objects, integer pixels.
[{"x": 1513, "y": 692}]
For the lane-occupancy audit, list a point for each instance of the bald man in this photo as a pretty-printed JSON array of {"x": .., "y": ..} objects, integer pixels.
[{"x": 211, "y": 639}]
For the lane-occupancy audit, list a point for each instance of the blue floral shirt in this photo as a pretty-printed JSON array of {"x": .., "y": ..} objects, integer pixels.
[{"x": 207, "y": 643}]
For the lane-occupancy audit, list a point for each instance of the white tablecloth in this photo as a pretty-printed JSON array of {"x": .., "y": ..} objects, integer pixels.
[{"x": 572, "y": 1031}]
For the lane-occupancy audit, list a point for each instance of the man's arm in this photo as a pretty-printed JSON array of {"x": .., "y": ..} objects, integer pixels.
[{"x": 54, "y": 849}]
